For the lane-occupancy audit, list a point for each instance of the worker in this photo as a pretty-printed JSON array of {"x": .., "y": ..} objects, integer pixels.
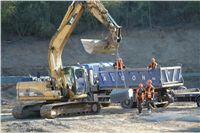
[
  {"x": 139, "y": 93},
  {"x": 153, "y": 64},
  {"x": 119, "y": 64},
  {"x": 149, "y": 94}
]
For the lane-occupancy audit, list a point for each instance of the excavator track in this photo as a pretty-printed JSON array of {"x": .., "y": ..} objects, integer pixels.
[
  {"x": 24, "y": 111},
  {"x": 51, "y": 111}
]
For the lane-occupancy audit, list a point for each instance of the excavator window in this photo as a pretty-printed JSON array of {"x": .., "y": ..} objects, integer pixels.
[
  {"x": 69, "y": 76},
  {"x": 79, "y": 73},
  {"x": 81, "y": 84}
]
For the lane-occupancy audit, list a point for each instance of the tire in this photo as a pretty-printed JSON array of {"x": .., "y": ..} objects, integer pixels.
[
  {"x": 105, "y": 104},
  {"x": 170, "y": 98},
  {"x": 162, "y": 105},
  {"x": 198, "y": 101},
  {"x": 95, "y": 108},
  {"x": 128, "y": 103}
]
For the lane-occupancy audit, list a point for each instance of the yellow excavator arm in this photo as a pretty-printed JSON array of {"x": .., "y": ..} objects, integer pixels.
[
  {"x": 60, "y": 95},
  {"x": 58, "y": 41}
]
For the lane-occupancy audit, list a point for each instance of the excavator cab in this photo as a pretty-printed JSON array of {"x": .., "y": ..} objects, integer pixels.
[
  {"x": 76, "y": 77},
  {"x": 81, "y": 84}
]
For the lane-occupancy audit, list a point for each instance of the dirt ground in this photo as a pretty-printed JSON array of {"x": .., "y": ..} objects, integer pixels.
[
  {"x": 170, "y": 47},
  {"x": 178, "y": 117}
]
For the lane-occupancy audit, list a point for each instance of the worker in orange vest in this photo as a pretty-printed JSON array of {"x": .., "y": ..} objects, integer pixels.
[
  {"x": 149, "y": 94},
  {"x": 119, "y": 64},
  {"x": 153, "y": 64},
  {"x": 139, "y": 93}
]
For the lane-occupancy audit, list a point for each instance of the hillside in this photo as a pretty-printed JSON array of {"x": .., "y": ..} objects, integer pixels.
[{"x": 171, "y": 46}]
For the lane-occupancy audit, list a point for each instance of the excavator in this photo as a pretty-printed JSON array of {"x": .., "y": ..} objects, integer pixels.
[{"x": 59, "y": 95}]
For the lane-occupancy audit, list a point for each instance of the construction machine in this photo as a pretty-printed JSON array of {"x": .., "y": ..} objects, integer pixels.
[
  {"x": 61, "y": 95},
  {"x": 109, "y": 85}
]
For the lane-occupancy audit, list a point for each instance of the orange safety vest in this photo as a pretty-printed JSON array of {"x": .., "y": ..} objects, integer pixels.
[
  {"x": 152, "y": 65},
  {"x": 148, "y": 92},
  {"x": 119, "y": 65}
]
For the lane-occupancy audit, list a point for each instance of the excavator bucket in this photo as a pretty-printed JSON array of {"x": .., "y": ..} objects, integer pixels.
[{"x": 106, "y": 46}]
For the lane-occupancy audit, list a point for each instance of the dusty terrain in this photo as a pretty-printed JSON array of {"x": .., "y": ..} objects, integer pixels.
[
  {"x": 178, "y": 117},
  {"x": 175, "y": 118}
]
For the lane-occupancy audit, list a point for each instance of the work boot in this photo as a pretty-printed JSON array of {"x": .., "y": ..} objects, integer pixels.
[
  {"x": 140, "y": 113},
  {"x": 149, "y": 111}
]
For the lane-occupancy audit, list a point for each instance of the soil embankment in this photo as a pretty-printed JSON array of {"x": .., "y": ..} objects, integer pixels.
[{"x": 171, "y": 46}]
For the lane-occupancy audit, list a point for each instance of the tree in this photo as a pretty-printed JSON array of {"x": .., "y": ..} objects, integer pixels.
[{"x": 42, "y": 18}]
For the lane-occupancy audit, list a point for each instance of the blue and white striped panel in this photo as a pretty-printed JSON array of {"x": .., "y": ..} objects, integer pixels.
[{"x": 107, "y": 64}]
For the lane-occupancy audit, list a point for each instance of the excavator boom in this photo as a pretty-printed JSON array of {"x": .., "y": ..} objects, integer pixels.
[
  {"x": 105, "y": 46},
  {"x": 61, "y": 95}
]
